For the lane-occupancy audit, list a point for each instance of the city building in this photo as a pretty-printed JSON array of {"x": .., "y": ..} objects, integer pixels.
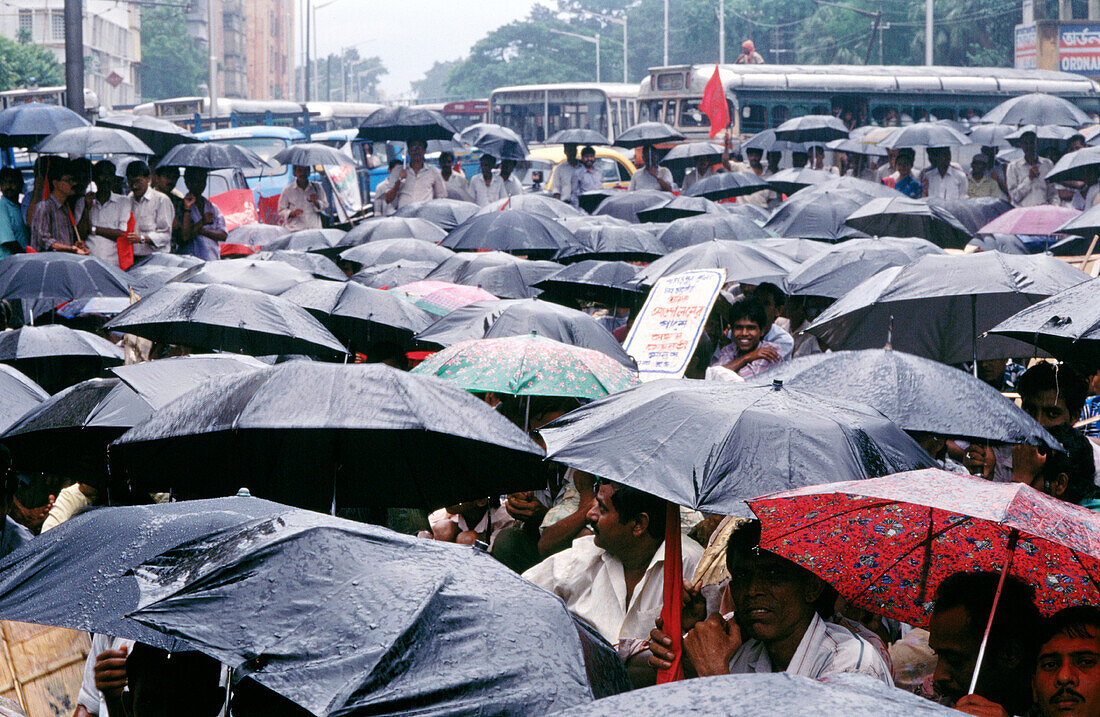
[
  {"x": 269, "y": 48},
  {"x": 1060, "y": 35}
]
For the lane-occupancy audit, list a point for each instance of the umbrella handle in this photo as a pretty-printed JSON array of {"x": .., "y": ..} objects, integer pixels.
[
  {"x": 1012, "y": 538},
  {"x": 1088, "y": 254}
]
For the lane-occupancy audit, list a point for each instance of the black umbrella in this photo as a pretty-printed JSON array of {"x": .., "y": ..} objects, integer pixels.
[
  {"x": 939, "y": 305},
  {"x": 91, "y": 141},
  {"x": 974, "y": 212},
  {"x": 577, "y": 135},
  {"x": 160, "y": 135},
  {"x": 817, "y": 215},
  {"x": 697, "y": 230},
  {"x": 514, "y": 281},
  {"x": 318, "y": 434},
  {"x": 18, "y": 394},
  {"x": 1039, "y": 109},
  {"x": 540, "y": 204},
  {"x": 1066, "y": 325},
  {"x": 588, "y": 201},
  {"x": 318, "y": 240},
  {"x": 626, "y": 205},
  {"x": 386, "y": 251},
  {"x": 1048, "y": 137},
  {"x": 727, "y": 184},
  {"x": 647, "y": 133},
  {"x": 924, "y": 134},
  {"x": 677, "y": 208},
  {"x": 1075, "y": 166},
  {"x": 742, "y": 261},
  {"x": 144, "y": 280},
  {"x": 766, "y": 141},
  {"x": 991, "y": 135},
  {"x": 445, "y": 213},
  {"x": 173, "y": 261},
  {"x": 496, "y": 141},
  {"x": 683, "y": 156},
  {"x": 162, "y": 381},
  {"x": 789, "y": 181},
  {"x": 359, "y": 316},
  {"x": 398, "y": 273},
  {"x": 58, "y": 277},
  {"x": 841, "y": 268},
  {"x": 611, "y": 243},
  {"x": 402, "y": 124},
  {"x": 748, "y": 211},
  {"x": 519, "y": 317},
  {"x": 270, "y": 277},
  {"x": 916, "y": 393},
  {"x": 216, "y": 317},
  {"x": 901, "y": 216},
  {"x": 213, "y": 155},
  {"x": 229, "y": 576},
  {"x": 462, "y": 266},
  {"x": 610, "y": 283},
  {"x": 709, "y": 445},
  {"x": 811, "y": 128},
  {"x": 592, "y": 220},
  {"x": 309, "y": 154},
  {"x": 83, "y": 418},
  {"x": 56, "y": 356},
  {"x": 855, "y": 146},
  {"x": 320, "y": 266},
  {"x": 24, "y": 125},
  {"x": 256, "y": 234},
  {"x": 517, "y": 232},
  {"x": 797, "y": 250},
  {"x": 392, "y": 228}
]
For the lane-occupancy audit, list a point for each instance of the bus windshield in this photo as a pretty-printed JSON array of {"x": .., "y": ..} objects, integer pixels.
[
  {"x": 266, "y": 147},
  {"x": 527, "y": 112}
]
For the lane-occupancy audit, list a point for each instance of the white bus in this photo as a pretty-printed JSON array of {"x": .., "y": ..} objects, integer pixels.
[
  {"x": 538, "y": 111},
  {"x": 765, "y": 96},
  {"x": 48, "y": 96}
]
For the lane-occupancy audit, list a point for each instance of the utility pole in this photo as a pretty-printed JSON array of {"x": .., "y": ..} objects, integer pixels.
[
  {"x": 721, "y": 32},
  {"x": 213, "y": 69},
  {"x": 617, "y": 21},
  {"x": 595, "y": 40},
  {"x": 307, "y": 78},
  {"x": 928, "y": 12},
  {"x": 74, "y": 56},
  {"x": 876, "y": 16},
  {"x": 666, "y": 33}
]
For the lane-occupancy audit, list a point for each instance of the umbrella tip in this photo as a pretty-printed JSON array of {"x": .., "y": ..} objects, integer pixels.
[
  {"x": 243, "y": 493},
  {"x": 777, "y": 384}
]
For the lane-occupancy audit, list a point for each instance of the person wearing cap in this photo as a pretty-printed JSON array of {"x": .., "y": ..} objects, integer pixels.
[
  {"x": 749, "y": 55},
  {"x": 981, "y": 183},
  {"x": 1026, "y": 176}
]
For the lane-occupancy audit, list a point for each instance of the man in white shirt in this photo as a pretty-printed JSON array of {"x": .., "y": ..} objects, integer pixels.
[
  {"x": 511, "y": 185},
  {"x": 1026, "y": 177},
  {"x": 652, "y": 176},
  {"x": 614, "y": 580},
  {"x": 562, "y": 177},
  {"x": 302, "y": 202},
  {"x": 110, "y": 214},
  {"x": 454, "y": 181},
  {"x": 416, "y": 183},
  {"x": 487, "y": 187},
  {"x": 153, "y": 212},
  {"x": 941, "y": 180}
]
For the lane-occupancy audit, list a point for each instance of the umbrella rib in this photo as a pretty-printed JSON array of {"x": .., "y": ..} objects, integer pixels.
[{"x": 1088, "y": 574}]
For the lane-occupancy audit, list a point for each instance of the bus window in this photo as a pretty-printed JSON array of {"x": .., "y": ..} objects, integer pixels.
[
  {"x": 915, "y": 114},
  {"x": 670, "y": 112},
  {"x": 944, "y": 112},
  {"x": 820, "y": 110},
  {"x": 780, "y": 114},
  {"x": 800, "y": 111},
  {"x": 885, "y": 116},
  {"x": 624, "y": 116},
  {"x": 754, "y": 118},
  {"x": 649, "y": 111},
  {"x": 521, "y": 112},
  {"x": 691, "y": 115}
]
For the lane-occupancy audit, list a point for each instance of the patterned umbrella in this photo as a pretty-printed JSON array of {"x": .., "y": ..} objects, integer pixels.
[
  {"x": 441, "y": 297},
  {"x": 886, "y": 543},
  {"x": 529, "y": 366}
]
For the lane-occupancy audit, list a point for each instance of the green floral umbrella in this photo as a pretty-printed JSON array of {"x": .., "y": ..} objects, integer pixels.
[{"x": 529, "y": 366}]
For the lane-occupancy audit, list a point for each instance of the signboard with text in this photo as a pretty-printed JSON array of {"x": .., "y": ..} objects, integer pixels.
[
  {"x": 1079, "y": 48},
  {"x": 345, "y": 191},
  {"x": 1026, "y": 50},
  {"x": 668, "y": 327}
]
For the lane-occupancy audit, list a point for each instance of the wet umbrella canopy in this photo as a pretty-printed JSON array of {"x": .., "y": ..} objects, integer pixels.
[
  {"x": 611, "y": 243},
  {"x": 647, "y": 133},
  {"x": 743, "y": 262},
  {"x": 835, "y": 272},
  {"x": 974, "y": 212},
  {"x": 789, "y": 181},
  {"x": 577, "y": 136},
  {"x": 316, "y": 434},
  {"x": 819, "y": 213},
  {"x": 230, "y": 576},
  {"x": 386, "y": 251},
  {"x": 392, "y": 228},
  {"x": 727, "y": 184},
  {"x": 56, "y": 356},
  {"x": 697, "y": 230},
  {"x": 904, "y": 217},
  {"x": 916, "y": 393},
  {"x": 462, "y": 266},
  {"x": 606, "y": 282},
  {"x": 924, "y": 134},
  {"x": 440, "y": 298},
  {"x": 514, "y": 281},
  {"x": 162, "y": 381},
  {"x": 85, "y": 141},
  {"x": 626, "y": 205},
  {"x": 309, "y": 154},
  {"x": 710, "y": 445},
  {"x": 359, "y": 316},
  {"x": 270, "y": 277},
  {"x": 319, "y": 240},
  {"x": 160, "y": 135},
  {"x": 811, "y": 128},
  {"x": 496, "y": 141},
  {"x": 397, "y": 273},
  {"x": 535, "y": 204},
  {"x": 445, "y": 213},
  {"x": 18, "y": 394},
  {"x": 320, "y": 266},
  {"x": 1037, "y": 108},
  {"x": 225, "y": 318},
  {"x": 1067, "y": 325},
  {"x": 23, "y": 125},
  {"x": 58, "y": 277},
  {"x": 512, "y": 231},
  {"x": 403, "y": 124},
  {"x": 213, "y": 155},
  {"x": 684, "y": 156},
  {"x": 256, "y": 234},
  {"x": 677, "y": 208}
]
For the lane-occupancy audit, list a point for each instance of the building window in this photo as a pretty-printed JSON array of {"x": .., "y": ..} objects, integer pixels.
[
  {"x": 26, "y": 22},
  {"x": 57, "y": 25}
]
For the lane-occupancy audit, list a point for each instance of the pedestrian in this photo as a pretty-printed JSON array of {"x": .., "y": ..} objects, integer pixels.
[
  {"x": 302, "y": 202},
  {"x": 703, "y": 168},
  {"x": 748, "y": 355},
  {"x": 765, "y": 197},
  {"x": 652, "y": 175},
  {"x": 1067, "y": 671},
  {"x": 749, "y": 55},
  {"x": 418, "y": 182},
  {"x": 561, "y": 179},
  {"x": 981, "y": 182},
  {"x": 54, "y": 226},
  {"x": 586, "y": 178},
  {"x": 453, "y": 178},
  {"x": 382, "y": 208},
  {"x": 817, "y": 160},
  {"x": 154, "y": 212},
  {"x": 110, "y": 214},
  {"x": 904, "y": 181},
  {"x": 202, "y": 225},
  {"x": 511, "y": 185},
  {"x": 1026, "y": 176},
  {"x": 942, "y": 180},
  {"x": 14, "y": 235},
  {"x": 488, "y": 187}
]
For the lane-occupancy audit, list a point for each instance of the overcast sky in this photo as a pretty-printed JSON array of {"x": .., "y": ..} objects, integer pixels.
[{"x": 409, "y": 35}]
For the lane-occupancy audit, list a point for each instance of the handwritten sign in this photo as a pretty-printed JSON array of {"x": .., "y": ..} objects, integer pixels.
[{"x": 668, "y": 328}]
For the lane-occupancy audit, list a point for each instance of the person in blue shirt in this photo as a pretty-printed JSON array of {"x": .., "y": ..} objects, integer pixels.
[
  {"x": 14, "y": 235},
  {"x": 906, "y": 183}
]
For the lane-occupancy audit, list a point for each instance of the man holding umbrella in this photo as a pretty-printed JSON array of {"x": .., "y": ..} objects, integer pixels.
[
  {"x": 562, "y": 177},
  {"x": 302, "y": 202},
  {"x": 418, "y": 182},
  {"x": 586, "y": 178},
  {"x": 652, "y": 175},
  {"x": 202, "y": 225},
  {"x": 54, "y": 226},
  {"x": 1026, "y": 176}
]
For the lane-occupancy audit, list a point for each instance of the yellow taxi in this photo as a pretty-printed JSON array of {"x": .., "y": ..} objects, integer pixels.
[{"x": 615, "y": 166}]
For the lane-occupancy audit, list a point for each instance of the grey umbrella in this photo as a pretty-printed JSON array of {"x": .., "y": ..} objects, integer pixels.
[
  {"x": 357, "y": 315},
  {"x": 213, "y": 155},
  {"x": 611, "y": 243},
  {"x": 256, "y": 234},
  {"x": 939, "y": 305},
  {"x": 535, "y": 204},
  {"x": 1067, "y": 325},
  {"x": 697, "y": 230},
  {"x": 811, "y": 128},
  {"x": 317, "y": 240},
  {"x": 766, "y": 141},
  {"x": 396, "y": 273},
  {"x": 916, "y": 393},
  {"x": 392, "y": 228},
  {"x": 647, "y": 133},
  {"x": 1075, "y": 165},
  {"x": 683, "y": 156},
  {"x": 607, "y": 282},
  {"x": 626, "y": 205},
  {"x": 160, "y": 135},
  {"x": 742, "y": 261},
  {"x": 974, "y": 212},
  {"x": 924, "y": 134},
  {"x": 677, "y": 208},
  {"x": 18, "y": 394},
  {"x": 709, "y": 445},
  {"x": 446, "y": 213},
  {"x": 404, "y": 123},
  {"x": 496, "y": 141},
  {"x": 91, "y": 141},
  {"x": 1039, "y": 109},
  {"x": 514, "y": 281},
  {"x": 789, "y": 181},
  {"x": 24, "y": 125},
  {"x": 749, "y": 211},
  {"x": 162, "y": 381},
  {"x": 386, "y": 251},
  {"x": 577, "y": 136},
  {"x": 901, "y": 216},
  {"x": 855, "y": 146},
  {"x": 270, "y": 277},
  {"x": 820, "y": 216},
  {"x": 727, "y": 184},
  {"x": 515, "y": 231},
  {"x": 308, "y": 154},
  {"x": 835, "y": 272},
  {"x": 464, "y": 265},
  {"x": 318, "y": 265},
  {"x": 991, "y": 135}
]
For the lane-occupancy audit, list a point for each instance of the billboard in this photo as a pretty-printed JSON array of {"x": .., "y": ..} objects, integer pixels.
[
  {"x": 1079, "y": 48},
  {"x": 1026, "y": 53}
]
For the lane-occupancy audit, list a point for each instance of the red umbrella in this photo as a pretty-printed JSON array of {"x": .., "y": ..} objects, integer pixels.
[
  {"x": 886, "y": 543},
  {"x": 1040, "y": 220}
]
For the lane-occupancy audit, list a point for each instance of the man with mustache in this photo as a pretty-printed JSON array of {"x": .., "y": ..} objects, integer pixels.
[{"x": 1067, "y": 675}]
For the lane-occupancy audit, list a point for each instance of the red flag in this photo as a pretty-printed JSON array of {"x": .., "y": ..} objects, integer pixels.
[
  {"x": 673, "y": 595},
  {"x": 125, "y": 247},
  {"x": 714, "y": 104}
]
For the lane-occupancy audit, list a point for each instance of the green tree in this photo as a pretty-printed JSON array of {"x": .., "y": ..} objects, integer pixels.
[
  {"x": 434, "y": 83},
  {"x": 172, "y": 64},
  {"x": 23, "y": 65}
]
